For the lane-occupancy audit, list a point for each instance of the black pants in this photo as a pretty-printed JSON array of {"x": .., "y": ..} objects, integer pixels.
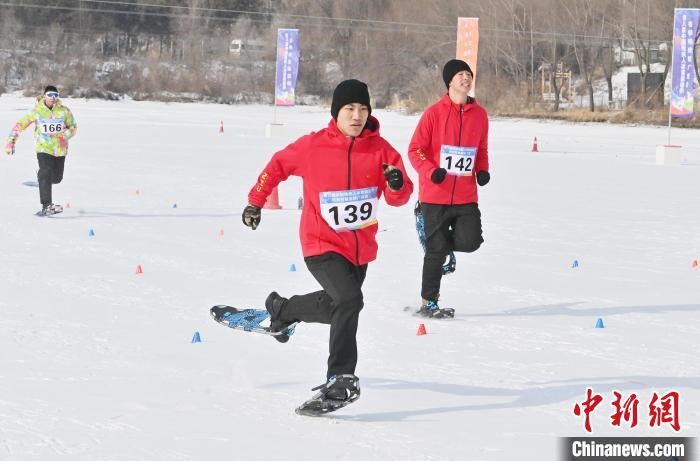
[
  {"x": 338, "y": 304},
  {"x": 447, "y": 228},
  {"x": 50, "y": 172}
]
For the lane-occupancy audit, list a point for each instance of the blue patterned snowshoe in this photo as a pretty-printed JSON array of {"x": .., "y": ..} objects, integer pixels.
[{"x": 247, "y": 320}]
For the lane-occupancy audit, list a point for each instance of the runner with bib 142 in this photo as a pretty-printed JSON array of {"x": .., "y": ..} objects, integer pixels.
[{"x": 449, "y": 150}]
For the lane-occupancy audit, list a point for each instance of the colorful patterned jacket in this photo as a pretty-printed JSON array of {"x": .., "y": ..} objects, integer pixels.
[{"x": 52, "y": 128}]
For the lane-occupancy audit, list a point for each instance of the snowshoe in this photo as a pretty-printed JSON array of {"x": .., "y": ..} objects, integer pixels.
[
  {"x": 431, "y": 310},
  {"x": 337, "y": 392}
]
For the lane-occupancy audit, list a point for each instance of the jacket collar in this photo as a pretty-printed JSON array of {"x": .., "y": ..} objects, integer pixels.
[
  {"x": 446, "y": 101},
  {"x": 40, "y": 104},
  {"x": 371, "y": 129}
]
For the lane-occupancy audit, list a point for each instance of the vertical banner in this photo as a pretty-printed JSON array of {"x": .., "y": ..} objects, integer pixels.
[
  {"x": 468, "y": 44},
  {"x": 685, "y": 26},
  {"x": 287, "y": 66}
]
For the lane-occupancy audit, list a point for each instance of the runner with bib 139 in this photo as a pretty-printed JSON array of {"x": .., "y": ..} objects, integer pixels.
[
  {"x": 345, "y": 168},
  {"x": 449, "y": 150}
]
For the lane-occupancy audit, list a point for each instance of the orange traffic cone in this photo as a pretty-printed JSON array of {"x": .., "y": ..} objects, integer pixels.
[
  {"x": 139, "y": 270},
  {"x": 421, "y": 330},
  {"x": 221, "y": 127},
  {"x": 273, "y": 201},
  {"x": 534, "y": 145}
]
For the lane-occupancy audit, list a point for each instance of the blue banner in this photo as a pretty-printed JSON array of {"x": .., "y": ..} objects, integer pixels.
[
  {"x": 287, "y": 66},
  {"x": 685, "y": 28}
]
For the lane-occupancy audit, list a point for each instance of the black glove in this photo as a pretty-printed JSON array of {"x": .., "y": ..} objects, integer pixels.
[
  {"x": 483, "y": 177},
  {"x": 251, "y": 216},
  {"x": 438, "y": 175},
  {"x": 393, "y": 176}
]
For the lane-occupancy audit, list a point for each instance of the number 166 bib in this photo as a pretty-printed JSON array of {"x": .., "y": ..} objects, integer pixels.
[
  {"x": 347, "y": 210},
  {"x": 457, "y": 160},
  {"x": 50, "y": 126}
]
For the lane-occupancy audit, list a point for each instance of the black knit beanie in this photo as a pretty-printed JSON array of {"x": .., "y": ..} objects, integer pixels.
[
  {"x": 348, "y": 92},
  {"x": 50, "y": 88},
  {"x": 452, "y": 67}
]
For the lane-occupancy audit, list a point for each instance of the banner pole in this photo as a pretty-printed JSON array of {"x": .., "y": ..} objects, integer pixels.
[
  {"x": 670, "y": 94},
  {"x": 668, "y": 142},
  {"x": 670, "y": 97},
  {"x": 277, "y": 70}
]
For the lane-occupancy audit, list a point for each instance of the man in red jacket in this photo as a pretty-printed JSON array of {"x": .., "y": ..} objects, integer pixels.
[
  {"x": 449, "y": 150},
  {"x": 345, "y": 169}
]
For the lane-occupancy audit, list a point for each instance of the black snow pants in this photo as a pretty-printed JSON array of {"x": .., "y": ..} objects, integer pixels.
[
  {"x": 338, "y": 304},
  {"x": 447, "y": 228},
  {"x": 50, "y": 172}
]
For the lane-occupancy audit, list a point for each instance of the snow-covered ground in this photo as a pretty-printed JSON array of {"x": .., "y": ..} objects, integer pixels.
[{"x": 96, "y": 361}]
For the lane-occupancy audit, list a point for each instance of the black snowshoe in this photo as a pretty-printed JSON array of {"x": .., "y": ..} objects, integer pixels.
[{"x": 337, "y": 392}]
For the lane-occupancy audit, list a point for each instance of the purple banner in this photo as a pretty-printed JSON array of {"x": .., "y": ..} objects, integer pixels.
[
  {"x": 685, "y": 27},
  {"x": 287, "y": 66}
]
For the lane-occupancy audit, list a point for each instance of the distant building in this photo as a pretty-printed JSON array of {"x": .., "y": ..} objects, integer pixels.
[
  {"x": 626, "y": 56},
  {"x": 239, "y": 47}
]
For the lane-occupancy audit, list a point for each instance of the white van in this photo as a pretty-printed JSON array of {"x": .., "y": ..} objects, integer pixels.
[{"x": 238, "y": 46}]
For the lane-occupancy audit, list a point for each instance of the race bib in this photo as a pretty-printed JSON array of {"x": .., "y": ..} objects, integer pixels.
[
  {"x": 347, "y": 210},
  {"x": 50, "y": 126},
  {"x": 457, "y": 160}
]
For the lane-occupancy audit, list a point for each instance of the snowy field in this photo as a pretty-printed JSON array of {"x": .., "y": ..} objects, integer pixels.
[{"x": 96, "y": 361}]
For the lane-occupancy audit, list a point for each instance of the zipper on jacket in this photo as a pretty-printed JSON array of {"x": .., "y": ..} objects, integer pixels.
[
  {"x": 354, "y": 232},
  {"x": 349, "y": 151},
  {"x": 459, "y": 144}
]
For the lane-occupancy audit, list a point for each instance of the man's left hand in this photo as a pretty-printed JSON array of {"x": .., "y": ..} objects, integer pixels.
[
  {"x": 483, "y": 177},
  {"x": 393, "y": 176}
]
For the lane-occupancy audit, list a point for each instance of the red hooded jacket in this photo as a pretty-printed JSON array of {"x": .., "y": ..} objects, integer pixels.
[
  {"x": 328, "y": 161},
  {"x": 450, "y": 124}
]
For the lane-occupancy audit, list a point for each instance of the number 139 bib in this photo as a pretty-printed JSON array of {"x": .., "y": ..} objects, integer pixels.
[
  {"x": 347, "y": 210},
  {"x": 457, "y": 160}
]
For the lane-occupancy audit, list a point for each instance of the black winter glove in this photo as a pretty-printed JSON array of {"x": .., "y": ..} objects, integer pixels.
[
  {"x": 483, "y": 177},
  {"x": 393, "y": 176},
  {"x": 251, "y": 216},
  {"x": 438, "y": 175}
]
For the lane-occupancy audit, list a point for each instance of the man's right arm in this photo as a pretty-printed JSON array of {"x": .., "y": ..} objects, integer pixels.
[
  {"x": 283, "y": 164},
  {"x": 16, "y": 130},
  {"x": 419, "y": 149}
]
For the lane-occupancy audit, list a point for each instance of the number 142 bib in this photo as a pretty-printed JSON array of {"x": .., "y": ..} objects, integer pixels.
[{"x": 457, "y": 160}]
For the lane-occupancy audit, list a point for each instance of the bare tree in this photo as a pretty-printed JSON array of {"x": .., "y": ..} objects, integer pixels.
[
  {"x": 584, "y": 17},
  {"x": 609, "y": 17},
  {"x": 637, "y": 30},
  {"x": 55, "y": 34}
]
